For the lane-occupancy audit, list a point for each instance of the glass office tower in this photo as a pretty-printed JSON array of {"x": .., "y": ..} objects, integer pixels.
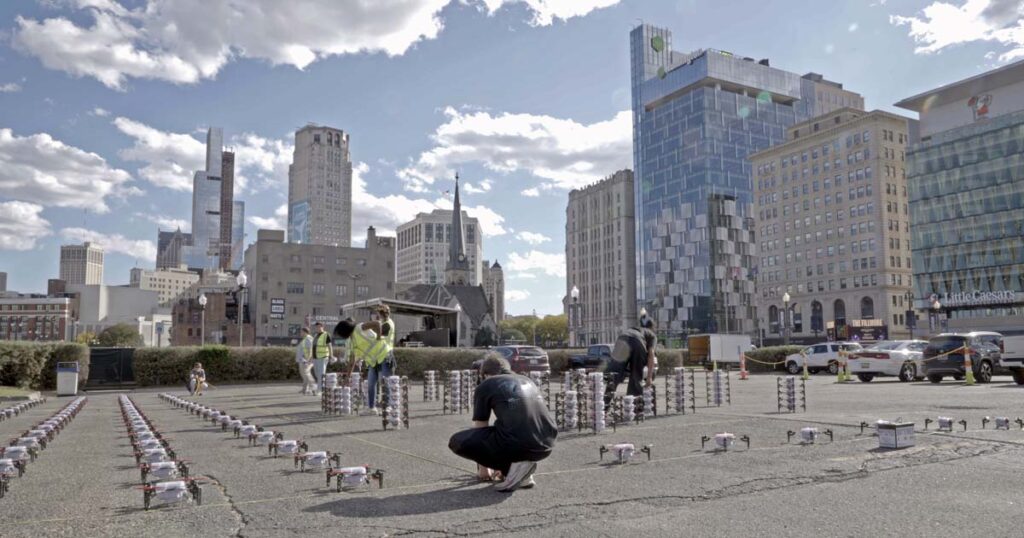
[{"x": 696, "y": 118}]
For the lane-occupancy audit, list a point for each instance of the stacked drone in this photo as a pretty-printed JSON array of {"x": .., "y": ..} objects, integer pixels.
[
  {"x": 303, "y": 458},
  {"x": 24, "y": 449}
]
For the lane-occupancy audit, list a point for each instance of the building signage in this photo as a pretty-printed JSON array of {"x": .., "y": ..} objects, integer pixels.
[
  {"x": 973, "y": 298},
  {"x": 979, "y": 105},
  {"x": 277, "y": 308}
]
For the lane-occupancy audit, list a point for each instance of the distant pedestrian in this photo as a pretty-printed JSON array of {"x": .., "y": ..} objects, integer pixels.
[
  {"x": 369, "y": 345},
  {"x": 304, "y": 360},
  {"x": 197, "y": 379},
  {"x": 523, "y": 432},
  {"x": 323, "y": 350}
]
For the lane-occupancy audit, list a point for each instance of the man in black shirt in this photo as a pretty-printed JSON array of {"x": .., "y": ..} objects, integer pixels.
[
  {"x": 523, "y": 432},
  {"x": 633, "y": 351}
]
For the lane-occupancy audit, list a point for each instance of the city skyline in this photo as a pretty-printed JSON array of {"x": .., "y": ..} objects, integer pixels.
[{"x": 123, "y": 167}]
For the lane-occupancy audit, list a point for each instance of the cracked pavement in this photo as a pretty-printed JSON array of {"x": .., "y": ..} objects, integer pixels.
[{"x": 84, "y": 483}]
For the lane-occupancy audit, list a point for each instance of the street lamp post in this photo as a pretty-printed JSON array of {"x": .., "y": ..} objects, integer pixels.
[
  {"x": 785, "y": 318},
  {"x": 936, "y": 306},
  {"x": 354, "y": 278},
  {"x": 574, "y": 293},
  {"x": 202, "y": 319},
  {"x": 458, "y": 323},
  {"x": 241, "y": 280},
  {"x": 911, "y": 322}
]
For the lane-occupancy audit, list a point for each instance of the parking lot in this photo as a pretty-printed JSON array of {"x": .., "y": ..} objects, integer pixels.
[{"x": 84, "y": 483}]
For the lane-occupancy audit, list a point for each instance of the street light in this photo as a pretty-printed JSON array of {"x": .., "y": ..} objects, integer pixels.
[
  {"x": 574, "y": 293},
  {"x": 241, "y": 280},
  {"x": 202, "y": 318},
  {"x": 911, "y": 321},
  {"x": 458, "y": 322},
  {"x": 785, "y": 318},
  {"x": 936, "y": 306}
]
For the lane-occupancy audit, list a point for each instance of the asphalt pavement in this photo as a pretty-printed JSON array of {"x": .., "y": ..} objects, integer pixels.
[{"x": 949, "y": 484}]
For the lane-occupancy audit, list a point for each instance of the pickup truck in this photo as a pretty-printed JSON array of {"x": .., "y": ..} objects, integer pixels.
[
  {"x": 596, "y": 358},
  {"x": 1012, "y": 357}
]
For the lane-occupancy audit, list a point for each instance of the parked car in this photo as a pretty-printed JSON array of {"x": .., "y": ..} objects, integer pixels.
[
  {"x": 1012, "y": 357},
  {"x": 985, "y": 349},
  {"x": 823, "y": 356},
  {"x": 596, "y": 358},
  {"x": 522, "y": 359},
  {"x": 901, "y": 358}
]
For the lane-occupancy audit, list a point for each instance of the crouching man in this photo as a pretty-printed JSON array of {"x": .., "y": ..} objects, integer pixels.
[{"x": 523, "y": 432}]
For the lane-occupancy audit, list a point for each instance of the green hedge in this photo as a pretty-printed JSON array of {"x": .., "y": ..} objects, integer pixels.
[
  {"x": 33, "y": 365},
  {"x": 171, "y": 365}
]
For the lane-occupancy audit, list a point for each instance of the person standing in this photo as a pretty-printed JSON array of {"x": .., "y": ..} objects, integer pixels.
[
  {"x": 304, "y": 360},
  {"x": 323, "y": 350},
  {"x": 369, "y": 344},
  {"x": 523, "y": 432},
  {"x": 197, "y": 379},
  {"x": 632, "y": 356}
]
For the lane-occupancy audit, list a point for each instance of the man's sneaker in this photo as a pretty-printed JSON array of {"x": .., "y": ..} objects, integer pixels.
[
  {"x": 517, "y": 474},
  {"x": 528, "y": 483},
  {"x": 368, "y": 411}
]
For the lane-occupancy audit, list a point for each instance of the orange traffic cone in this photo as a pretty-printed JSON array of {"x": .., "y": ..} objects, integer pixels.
[{"x": 743, "y": 366}]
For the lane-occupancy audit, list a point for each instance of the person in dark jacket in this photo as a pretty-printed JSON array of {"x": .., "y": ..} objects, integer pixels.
[
  {"x": 523, "y": 432},
  {"x": 632, "y": 358}
]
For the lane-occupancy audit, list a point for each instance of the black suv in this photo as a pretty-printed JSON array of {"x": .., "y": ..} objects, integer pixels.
[
  {"x": 596, "y": 358},
  {"x": 984, "y": 347}
]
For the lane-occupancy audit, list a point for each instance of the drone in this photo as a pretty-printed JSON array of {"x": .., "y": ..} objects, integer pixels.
[
  {"x": 173, "y": 491},
  {"x": 316, "y": 460},
  {"x": 264, "y": 437},
  {"x": 624, "y": 451},
  {"x": 10, "y": 466},
  {"x": 724, "y": 441},
  {"x": 809, "y": 435},
  {"x": 20, "y": 453},
  {"x": 29, "y": 442},
  {"x": 163, "y": 470},
  {"x": 246, "y": 430},
  {"x": 288, "y": 448},
  {"x": 351, "y": 477}
]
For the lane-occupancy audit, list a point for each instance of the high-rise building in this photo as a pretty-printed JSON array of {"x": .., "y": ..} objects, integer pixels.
[
  {"x": 169, "y": 247},
  {"x": 81, "y": 264},
  {"x": 424, "y": 245},
  {"x": 696, "y": 118},
  {"x": 320, "y": 188},
  {"x": 600, "y": 258},
  {"x": 494, "y": 287},
  {"x": 216, "y": 225},
  {"x": 833, "y": 230},
  {"x": 3, "y": 281},
  {"x": 168, "y": 283},
  {"x": 964, "y": 176},
  {"x": 297, "y": 284}
]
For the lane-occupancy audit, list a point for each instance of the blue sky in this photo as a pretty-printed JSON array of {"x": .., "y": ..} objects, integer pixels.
[{"x": 102, "y": 104}]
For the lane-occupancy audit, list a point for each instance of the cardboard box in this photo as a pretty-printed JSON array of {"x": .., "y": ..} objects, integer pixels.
[{"x": 895, "y": 435}]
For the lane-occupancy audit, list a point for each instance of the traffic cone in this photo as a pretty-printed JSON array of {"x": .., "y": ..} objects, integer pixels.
[
  {"x": 743, "y": 366},
  {"x": 968, "y": 367},
  {"x": 807, "y": 375}
]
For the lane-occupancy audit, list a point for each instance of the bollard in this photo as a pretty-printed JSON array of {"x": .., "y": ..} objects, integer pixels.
[
  {"x": 743, "y": 366},
  {"x": 968, "y": 367}
]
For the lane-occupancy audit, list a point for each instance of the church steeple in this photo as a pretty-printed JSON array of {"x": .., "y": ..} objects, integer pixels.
[{"x": 457, "y": 269}]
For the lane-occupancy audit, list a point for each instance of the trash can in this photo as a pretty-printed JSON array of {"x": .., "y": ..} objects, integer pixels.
[{"x": 67, "y": 378}]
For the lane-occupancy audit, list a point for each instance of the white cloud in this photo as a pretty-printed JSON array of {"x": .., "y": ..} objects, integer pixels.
[
  {"x": 514, "y": 296},
  {"x": 171, "y": 159},
  {"x": 853, "y": 27},
  {"x": 567, "y": 153},
  {"x": 278, "y": 222},
  {"x": 21, "y": 225},
  {"x": 10, "y": 87},
  {"x": 112, "y": 243},
  {"x": 99, "y": 112},
  {"x": 944, "y": 24},
  {"x": 166, "y": 223},
  {"x": 532, "y": 238},
  {"x": 532, "y": 192},
  {"x": 546, "y": 12},
  {"x": 480, "y": 188},
  {"x": 536, "y": 261},
  {"x": 167, "y": 40},
  {"x": 524, "y": 276},
  {"x": 39, "y": 169},
  {"x": 491, "y": 223}
]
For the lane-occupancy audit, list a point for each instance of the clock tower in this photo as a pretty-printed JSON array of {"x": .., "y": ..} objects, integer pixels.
[{"x": 457, "y": 270}]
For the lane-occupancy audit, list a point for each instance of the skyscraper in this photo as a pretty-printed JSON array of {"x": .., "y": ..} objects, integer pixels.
[
  {"x": 696, "y": 118},
  {"x": 81, "y": 264},
  {"x": 424, "y": 242},
  {"x": 215, "y": 230},
  {"x": 169, "y": 247},
  {"x": 600, "y": 259},
  {"x": 320, "y": 188},
  {"x": 494, "y": 287}
]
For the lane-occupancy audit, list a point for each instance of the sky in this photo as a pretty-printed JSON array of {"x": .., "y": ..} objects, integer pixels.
[{"x": 104, "y": 105}]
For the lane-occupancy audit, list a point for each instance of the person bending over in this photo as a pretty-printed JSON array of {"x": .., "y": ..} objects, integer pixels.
[
  {"x": 523, "y": 432},
  {"x": 369, "y": 344},
  {"x": 632, "y": 356},
  {"x": 197, "y": 379}
]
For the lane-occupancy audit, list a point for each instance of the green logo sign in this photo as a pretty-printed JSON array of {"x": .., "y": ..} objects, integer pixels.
[{"x": 657, "y": 43}]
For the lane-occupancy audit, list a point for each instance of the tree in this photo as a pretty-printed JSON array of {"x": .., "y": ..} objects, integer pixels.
[
  {"x": 523, "y": 324},
  {"x": 553, "y": 329},
  {"x": 484, "y": 337},
  {"x": 120, "y": 335},
  {"x": 512, "y": 334},
  {"x": 86, "y": 338}
]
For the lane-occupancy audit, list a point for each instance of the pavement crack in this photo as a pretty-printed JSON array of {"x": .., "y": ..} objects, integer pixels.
[{"x": 243, "y": 520}]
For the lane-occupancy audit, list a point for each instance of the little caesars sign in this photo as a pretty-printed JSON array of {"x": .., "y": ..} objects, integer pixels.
[{"x": 975, "y": 298}]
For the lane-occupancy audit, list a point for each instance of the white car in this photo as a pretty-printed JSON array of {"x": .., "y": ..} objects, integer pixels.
[
  {"x": 824, "y": 356},
  {"x": 901, "y": 358}
]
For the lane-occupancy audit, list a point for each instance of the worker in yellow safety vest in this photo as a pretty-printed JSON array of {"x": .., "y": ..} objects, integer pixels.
[
  {"x": 369, "y": 343},
  {"x": 323, "y": 351}
]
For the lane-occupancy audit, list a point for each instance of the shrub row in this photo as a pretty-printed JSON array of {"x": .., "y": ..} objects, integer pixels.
[{"x": 33, "y": 365}]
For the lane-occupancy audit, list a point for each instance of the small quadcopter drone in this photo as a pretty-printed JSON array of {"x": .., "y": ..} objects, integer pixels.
[
  {"x": 163, "y": 470},
  {"x": 289, "y": 447},
  {"x": 624, "y": 451},
  {"x": 173, "y": 491},
  {"x": 352, "y": 477},
  {"x": 316, "y": 460}
]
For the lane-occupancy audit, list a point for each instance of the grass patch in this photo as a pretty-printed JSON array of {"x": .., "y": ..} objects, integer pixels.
[{"x": 13, "y": 392}]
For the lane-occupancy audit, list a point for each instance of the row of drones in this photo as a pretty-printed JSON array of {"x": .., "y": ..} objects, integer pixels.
[
  {"x": 303, "y": 458},
  {"x": 24, "y": 449}
]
